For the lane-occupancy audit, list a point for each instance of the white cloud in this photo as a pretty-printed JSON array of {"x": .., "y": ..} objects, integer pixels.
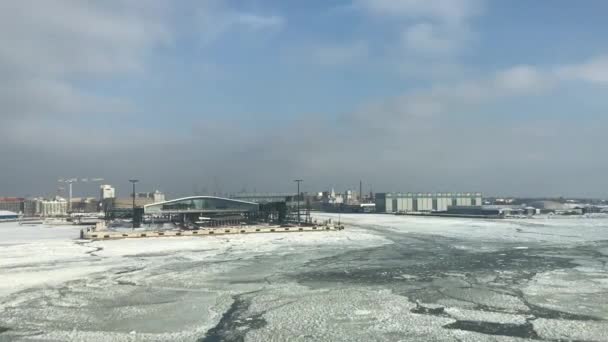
[
  {"x": 46, "y": 46},
  {"x": 594, "y": 70},
  {"x": 65, "y": 37},
  {"x": 430, "y": 39},
  {"x": 523, "y": 78},
  {"x": 446, "y": 99},
  {"x": 432, "y": 33},
  {"x": 39, "y": 97},
  {"x": 421, "y": 107},
  {"x": 443, "y": 10},
  {"x": 214, "y": 19}
]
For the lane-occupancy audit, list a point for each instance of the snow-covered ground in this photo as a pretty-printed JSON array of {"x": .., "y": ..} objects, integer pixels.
[{"x": 384, "y": 278}]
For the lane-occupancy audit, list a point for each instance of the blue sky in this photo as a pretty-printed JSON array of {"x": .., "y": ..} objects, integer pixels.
[{"x": 504, "y": 97}]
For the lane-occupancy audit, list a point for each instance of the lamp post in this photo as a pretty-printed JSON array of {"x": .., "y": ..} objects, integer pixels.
[
  {"x": 71, "y": 181},
  {"x": 133, "y": 181},
  {"x": 298, "y": 198}
]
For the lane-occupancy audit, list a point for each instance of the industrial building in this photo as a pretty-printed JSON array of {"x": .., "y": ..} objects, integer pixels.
[{"x": 425, "y": 202}]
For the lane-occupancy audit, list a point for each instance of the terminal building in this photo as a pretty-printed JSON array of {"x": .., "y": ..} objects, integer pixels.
[
  {"x": 425, "y": 202},
  {"x": 210, "y": 211},
  {"x": 201, "y": 204},
  {"x": 195, "y": 208}
]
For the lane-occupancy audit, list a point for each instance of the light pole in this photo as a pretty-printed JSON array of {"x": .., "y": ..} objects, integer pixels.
[
  {"x": 71, "y": 181},
  {"x": 298, "y": 198},
  {"x": 133, "y": 181}
]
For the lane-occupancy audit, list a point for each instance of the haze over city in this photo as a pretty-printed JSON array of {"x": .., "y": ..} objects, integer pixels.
[{"x": 455, "y": 95}]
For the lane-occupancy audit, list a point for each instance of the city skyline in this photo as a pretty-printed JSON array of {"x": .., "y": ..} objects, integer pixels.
[{"x": 460, "y": 95}]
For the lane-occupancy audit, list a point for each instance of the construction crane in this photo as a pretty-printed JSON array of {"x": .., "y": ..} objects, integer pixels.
[{"x": 71, "y": 181}]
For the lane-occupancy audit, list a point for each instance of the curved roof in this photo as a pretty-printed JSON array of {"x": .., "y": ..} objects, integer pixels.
[{"x": 199, "y": 197}]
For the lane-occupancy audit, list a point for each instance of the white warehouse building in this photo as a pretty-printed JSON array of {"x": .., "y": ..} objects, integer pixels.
[{"x": 425, "y": 202}]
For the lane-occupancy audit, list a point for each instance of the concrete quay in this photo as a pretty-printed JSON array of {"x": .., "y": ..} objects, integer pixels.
[{"x": 109, "y": 235}]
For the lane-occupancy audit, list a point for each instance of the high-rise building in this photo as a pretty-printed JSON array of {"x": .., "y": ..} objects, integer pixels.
[{"x": 107, "y": 191}]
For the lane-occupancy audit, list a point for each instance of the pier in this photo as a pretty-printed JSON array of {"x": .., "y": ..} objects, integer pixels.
[{"x": 111, "y": 235}]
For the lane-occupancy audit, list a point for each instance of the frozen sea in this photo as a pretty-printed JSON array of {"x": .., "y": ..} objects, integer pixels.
[{"x": 383, "y": 278}]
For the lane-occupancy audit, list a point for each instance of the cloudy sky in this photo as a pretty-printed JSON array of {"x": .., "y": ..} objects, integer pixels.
[{"x": 503, "y": 97}]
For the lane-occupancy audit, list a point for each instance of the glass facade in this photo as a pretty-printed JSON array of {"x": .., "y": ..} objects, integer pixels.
[{"x": 201, "y": 204}]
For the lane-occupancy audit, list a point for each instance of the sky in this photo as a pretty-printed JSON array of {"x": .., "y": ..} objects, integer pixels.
[{"x": 203, "y": 96}]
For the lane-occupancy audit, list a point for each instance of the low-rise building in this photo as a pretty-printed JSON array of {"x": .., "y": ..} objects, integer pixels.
[
  {"x": 151, "y": 197},
  {"x": 8, "y": 215},
  {"x": 12, "y": 204},
  {"x": 85, "y": 205},
  {"x": 125, "y": 204},
  {"x": 490, "y": 210}
]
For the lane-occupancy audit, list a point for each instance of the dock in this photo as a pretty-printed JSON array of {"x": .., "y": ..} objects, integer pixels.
[
  {"x": 113, "y": 235},
  {"x": 492, "y": 217}
]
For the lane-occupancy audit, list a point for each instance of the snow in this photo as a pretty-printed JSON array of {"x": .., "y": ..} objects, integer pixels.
[
  {"x": 383, "y": 278},
  {"x": 475, "y": 315},
  {"x": 576, "y": 291},
  {"x": 561, "y": 330}
]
